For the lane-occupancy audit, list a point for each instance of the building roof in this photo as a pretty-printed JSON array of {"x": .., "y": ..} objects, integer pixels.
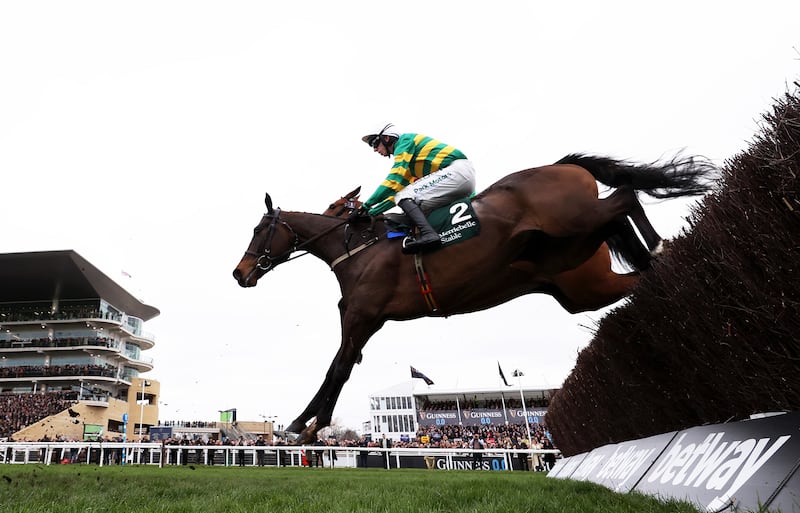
[
  {"x": 436, "y": 393},
  {"x": 63, "y": 275},
  {"x": 484, "y": 393}
]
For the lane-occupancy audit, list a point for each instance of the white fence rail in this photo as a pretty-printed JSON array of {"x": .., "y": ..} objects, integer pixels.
[{"x": 119, "y": 453}]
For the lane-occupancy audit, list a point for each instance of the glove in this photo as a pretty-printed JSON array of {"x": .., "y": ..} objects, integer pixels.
[{"x": 356, "y": 213}]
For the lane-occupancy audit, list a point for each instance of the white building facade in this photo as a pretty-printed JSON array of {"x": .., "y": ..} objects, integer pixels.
[{"x": 400, "y": 410}]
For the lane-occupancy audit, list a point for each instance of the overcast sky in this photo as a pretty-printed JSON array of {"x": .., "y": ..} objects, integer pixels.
[{"x": 144, "y": 135}]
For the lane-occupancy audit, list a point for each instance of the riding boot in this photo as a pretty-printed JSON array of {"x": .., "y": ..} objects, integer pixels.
[{"x": 428, "y": 238}]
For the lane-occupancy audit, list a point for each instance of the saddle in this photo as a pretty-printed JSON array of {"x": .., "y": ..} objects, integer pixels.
[{"x": 454, "y": 223}]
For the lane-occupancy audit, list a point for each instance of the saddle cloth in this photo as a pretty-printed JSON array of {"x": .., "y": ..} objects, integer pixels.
[{"x": 454, "y": 223}]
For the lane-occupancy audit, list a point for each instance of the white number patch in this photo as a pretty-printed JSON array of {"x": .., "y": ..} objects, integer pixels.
[{"x": 458, "y": 210}]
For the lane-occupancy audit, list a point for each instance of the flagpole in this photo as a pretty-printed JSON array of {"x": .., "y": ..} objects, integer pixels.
[
  {"x": 458, "y": 405},
  {"x": 502, "y": 395},
  {"x": 524, "y": 409}
]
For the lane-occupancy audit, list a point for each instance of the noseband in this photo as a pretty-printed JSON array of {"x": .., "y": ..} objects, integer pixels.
[{"x": 266, "y": 261}]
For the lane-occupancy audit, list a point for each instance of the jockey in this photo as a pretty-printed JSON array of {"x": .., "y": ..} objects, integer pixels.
[{"x": 426, "y": 174}]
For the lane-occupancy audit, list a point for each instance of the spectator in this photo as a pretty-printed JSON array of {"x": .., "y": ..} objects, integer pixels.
[
  {"x": 240, "y": 453},
  {"x": 363, "y": 454},
  {"x": 319, "y": 452},
  {"x": 260, "y": 452},
  {"x": 523, "y": 456},
  {"x": 549, "y": 458},
  {"x": 536, "y": 458},
  {"x": 477, "y": 445},
  {"x": 386, "y": 443},
  {"x": 333, "y": 457}
]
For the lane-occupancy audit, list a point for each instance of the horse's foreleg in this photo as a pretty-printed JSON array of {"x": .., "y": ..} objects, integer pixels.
[
  {"x": 321, "y": 406},
  {"x": 299, "y": 424},
  {"x": 340, "y": 369}
]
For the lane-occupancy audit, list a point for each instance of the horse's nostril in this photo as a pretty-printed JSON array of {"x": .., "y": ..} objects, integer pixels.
[{"x": 237, "y": 275}]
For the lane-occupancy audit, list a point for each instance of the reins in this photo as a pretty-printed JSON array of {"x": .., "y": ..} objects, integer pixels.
[
  {"x": 272, "y": 261},
  {"x": 266, "y": 261}
]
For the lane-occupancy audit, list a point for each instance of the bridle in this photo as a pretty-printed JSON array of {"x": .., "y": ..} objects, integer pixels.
[
  {"x": 266, "y": 261},
  {"x": 349, "y": 204},
  {"x": 263, "y": 253}
]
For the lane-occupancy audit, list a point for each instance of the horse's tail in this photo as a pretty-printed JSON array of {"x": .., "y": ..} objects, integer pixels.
[{"x": 681, "y": 176}]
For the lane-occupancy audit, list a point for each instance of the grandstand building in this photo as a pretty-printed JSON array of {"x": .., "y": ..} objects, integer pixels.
[
  {"x": 72, "y": 351},
  {"x": 400, "y": 411}
]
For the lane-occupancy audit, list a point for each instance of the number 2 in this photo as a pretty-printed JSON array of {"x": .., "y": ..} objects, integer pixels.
[{"x": 458, "y": 210}]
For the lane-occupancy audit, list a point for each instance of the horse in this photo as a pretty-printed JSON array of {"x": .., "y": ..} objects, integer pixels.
[
  {"x": 536, "y": 225},
  {"x": 590, "y": 286}
]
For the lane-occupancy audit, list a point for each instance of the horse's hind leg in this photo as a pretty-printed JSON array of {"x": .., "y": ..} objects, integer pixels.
[
  {"x": 651, "y": 238},
  {"x": 625, "y": 244},
  {"x": 592, "y": 285}
]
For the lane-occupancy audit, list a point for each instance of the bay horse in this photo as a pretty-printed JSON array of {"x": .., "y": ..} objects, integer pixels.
[
  {"x": 535, "y": 225},
  {"x": 590, "y": 286}
]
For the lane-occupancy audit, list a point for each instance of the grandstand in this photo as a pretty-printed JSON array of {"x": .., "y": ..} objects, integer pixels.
[
  {"x": 400, "y": 411},
  {"x": 71, "y": 351}
]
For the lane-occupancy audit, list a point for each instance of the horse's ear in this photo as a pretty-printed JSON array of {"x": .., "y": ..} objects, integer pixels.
[
  {"x": 354, "y": 193},
  {"x": 268, "y": 202}
]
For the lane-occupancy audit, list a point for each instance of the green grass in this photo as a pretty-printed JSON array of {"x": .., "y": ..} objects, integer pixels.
[{"x": 84, "y": 489}]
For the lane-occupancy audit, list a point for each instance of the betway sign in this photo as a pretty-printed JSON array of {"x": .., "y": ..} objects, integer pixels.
[
  {"x": 743, "y": 465},
  {"x": 479, "y": 416},
  {"x": 621, "y": 466},
  {"x": 712, "y": 465}
]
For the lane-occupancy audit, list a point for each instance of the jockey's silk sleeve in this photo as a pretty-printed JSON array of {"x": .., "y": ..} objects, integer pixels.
[{"x": 415, "y": 156}]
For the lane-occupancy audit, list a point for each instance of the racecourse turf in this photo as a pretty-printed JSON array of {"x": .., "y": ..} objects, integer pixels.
[{"x": 143, "y": 489}]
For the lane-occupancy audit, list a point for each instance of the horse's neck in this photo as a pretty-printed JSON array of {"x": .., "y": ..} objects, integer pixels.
[{"x": 324, "y": 235}]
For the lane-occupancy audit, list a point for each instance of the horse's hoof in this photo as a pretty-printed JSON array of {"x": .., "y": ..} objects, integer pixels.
[{"x": 305, "y": 439}]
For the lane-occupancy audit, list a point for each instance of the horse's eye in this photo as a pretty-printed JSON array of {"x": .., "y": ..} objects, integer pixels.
[
  {"x": 332, "y": 206},
  {"x": 256, "y": 229}
]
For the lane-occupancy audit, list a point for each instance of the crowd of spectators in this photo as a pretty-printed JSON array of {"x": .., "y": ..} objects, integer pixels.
[
  {"x": 198, "y": 449},
  {"x": 106, "y": 342},
  {"x": 25, "y": 371},
  {"x": 188, "y": 423},
  {"x": 20, "y": 410},
  {"x": 43, "y": 312},
  {"x": 494, "y": 436}
]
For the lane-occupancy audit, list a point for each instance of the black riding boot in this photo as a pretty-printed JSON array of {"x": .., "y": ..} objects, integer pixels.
[{"x": 428, "y": 238}]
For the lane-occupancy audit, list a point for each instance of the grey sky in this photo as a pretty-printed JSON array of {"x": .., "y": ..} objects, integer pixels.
[{"x": 144, "y": 135}]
